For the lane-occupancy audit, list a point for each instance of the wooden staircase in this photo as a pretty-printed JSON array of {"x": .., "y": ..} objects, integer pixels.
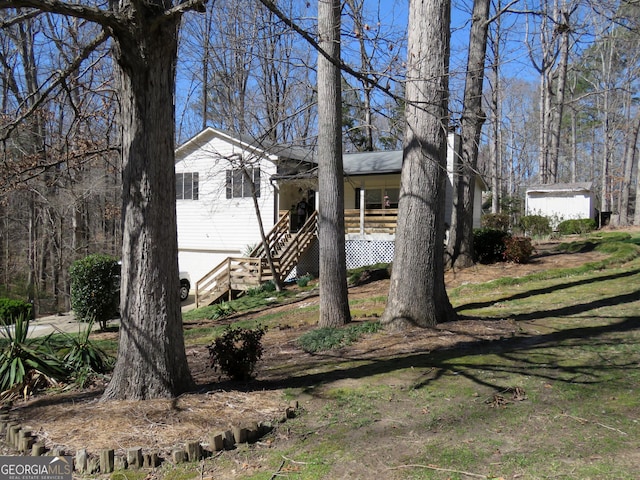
[{"x": 239, "y": 274}]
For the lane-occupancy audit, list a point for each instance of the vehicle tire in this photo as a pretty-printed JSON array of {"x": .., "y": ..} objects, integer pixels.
[{"x": 184, "y": 290}]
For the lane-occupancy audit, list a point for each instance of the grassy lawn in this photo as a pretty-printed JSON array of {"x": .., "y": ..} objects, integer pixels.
[
  {"x": 557, "y": 400},
  {"x": 544, "y": 387}
]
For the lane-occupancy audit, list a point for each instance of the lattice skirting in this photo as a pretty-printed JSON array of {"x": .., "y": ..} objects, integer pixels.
[
  {"x": 360, "y": 253},
  {"x": 308, "y": 263}
]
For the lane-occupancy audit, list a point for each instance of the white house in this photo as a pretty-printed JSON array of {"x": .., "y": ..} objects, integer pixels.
[
  {"x": 561, "y": 201},
  {"x": 215, "y": 211},
  {"x": 216, "y": 215}
]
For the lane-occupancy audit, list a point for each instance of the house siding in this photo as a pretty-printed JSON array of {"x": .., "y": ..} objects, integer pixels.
[
  {"x": 212, "y": 228},
  {"x": 215, "y": 227}
]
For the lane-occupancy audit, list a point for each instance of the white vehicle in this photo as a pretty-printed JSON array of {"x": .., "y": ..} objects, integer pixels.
[{"x": 185, "y": 284}]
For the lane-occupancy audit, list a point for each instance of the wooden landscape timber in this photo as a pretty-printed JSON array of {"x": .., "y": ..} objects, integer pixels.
[{"x": 16, "y": 437}]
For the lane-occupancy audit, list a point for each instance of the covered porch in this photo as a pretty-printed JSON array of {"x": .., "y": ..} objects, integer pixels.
[
  {"x": 364, "y": 221},
  {"x": 371, "y": 202}
]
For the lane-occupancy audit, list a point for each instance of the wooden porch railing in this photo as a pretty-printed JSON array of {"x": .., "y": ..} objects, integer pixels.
[
  {"x": 276, "y": 238},
  {"x": 298, "y": 244},
  {"x": 240, "y": 274},
  {"x": 382, "y": 220},
  {"x": 229, "y": 275}
]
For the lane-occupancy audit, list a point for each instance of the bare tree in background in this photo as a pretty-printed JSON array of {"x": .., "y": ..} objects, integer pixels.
[
  {"x": 550, "y": 57},
  {"x": 247, "y": 73},
  {"x": 151, "y": 359},
  {"x": 460, "y": 246},
  {"x": 65, "y": 108}
]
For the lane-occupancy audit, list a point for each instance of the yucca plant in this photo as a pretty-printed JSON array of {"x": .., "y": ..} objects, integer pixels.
[
  {"x": 80, "y": 353},
  {"x": 22, "y": 357}
]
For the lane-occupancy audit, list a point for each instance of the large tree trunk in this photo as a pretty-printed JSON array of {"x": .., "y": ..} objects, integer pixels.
[
  {"x": 460, "y": 247},
  {"x": 151, "y": 356},
  {"x": 334, "y": 302},
  {"x": 417, "y": 295}
]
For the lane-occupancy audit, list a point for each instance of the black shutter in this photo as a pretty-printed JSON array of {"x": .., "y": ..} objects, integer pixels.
[{"x": 229, "y": 184}]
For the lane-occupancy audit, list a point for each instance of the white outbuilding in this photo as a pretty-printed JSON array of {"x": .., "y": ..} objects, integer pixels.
[{"x": 561, "y": 201}]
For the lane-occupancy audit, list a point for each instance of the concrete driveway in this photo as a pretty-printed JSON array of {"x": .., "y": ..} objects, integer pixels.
[{"x": 66, "y": 322}]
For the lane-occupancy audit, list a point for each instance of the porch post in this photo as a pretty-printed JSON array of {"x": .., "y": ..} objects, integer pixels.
[{"x": 362, "y": 208}]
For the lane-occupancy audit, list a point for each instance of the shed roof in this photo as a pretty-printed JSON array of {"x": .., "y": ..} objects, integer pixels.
[{"x": 561, "y": 187}]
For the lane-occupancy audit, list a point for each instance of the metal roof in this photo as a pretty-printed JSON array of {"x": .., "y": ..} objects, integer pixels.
[
  {"x": 363, "y": 163},
  {"x": 560, "y": 187}
]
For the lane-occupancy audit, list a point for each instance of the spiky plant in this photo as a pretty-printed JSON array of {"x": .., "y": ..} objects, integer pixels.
[{"x": 23, "y": 355}]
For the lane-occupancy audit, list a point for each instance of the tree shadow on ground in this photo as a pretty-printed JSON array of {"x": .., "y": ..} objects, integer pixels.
[
  {"x": 511, "y": 355},
  {"x": 547, "y": 290}
]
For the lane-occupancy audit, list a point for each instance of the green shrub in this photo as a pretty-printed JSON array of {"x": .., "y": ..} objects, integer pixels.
[
  {"x": 237, "y": 351},
  {"x": 266, "y": 287},
  {"x": 12, "y": 309},
  {"x": 82, "y": 357},
  {"x": 535, "y": 225},
  {"x": 220, "y": 310},
  {"x": 322, "y": 339},
  {"x": 488, "y": 244},
  {"x": 304, "y": 280},
  {"x": 517, "y": 249},
  {"x": 496, "y": 221},
  {"x": 577, "y": 226},
  {"x": 95, "y": 288}
]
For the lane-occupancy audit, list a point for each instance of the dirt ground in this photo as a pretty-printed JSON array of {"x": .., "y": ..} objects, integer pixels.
[{"x": 76, "y": 420}]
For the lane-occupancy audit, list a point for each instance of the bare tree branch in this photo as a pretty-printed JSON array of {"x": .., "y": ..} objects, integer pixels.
[
  {"x": 43, "y": 95},
  {"x": 340, "y": 64}
]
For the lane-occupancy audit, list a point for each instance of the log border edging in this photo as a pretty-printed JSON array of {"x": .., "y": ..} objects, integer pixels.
[{"x": 22, "y": 440}]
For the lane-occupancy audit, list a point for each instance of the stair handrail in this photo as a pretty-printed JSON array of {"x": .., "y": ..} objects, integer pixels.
[
  {"x": 292, "y": 252},
  {"x": 225, "y": 276},
  {"x": 220, "y": 279},
  {"x": 279, "y": 231},
  {"x": 213, "y": 279}
]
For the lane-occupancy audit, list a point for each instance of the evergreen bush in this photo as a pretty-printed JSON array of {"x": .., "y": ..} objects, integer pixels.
[
  {"x": 577, "y": 226},
  {"x": 82, "y": 357},
  {"x": 237, "y": 351},
  {"x": 304, "y": 280},
  {"x": 488, "y": 244},
  {"x": 95, "y": 288},
  {"x": 496, "y": 221},
  {"x": 10, "y": 310},
  {"x": 323, "y": 339},
  {"x": 220, "y": 310},
  {"x": 266, "y": 287},
  {"x": 25, "y": 362},
  {"x": 535, "y": 225}
]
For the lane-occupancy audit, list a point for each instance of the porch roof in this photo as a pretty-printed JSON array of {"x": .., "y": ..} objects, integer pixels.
[
  {"x": 361, "y": 163},
  {"x": 367, "y": 163}
]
